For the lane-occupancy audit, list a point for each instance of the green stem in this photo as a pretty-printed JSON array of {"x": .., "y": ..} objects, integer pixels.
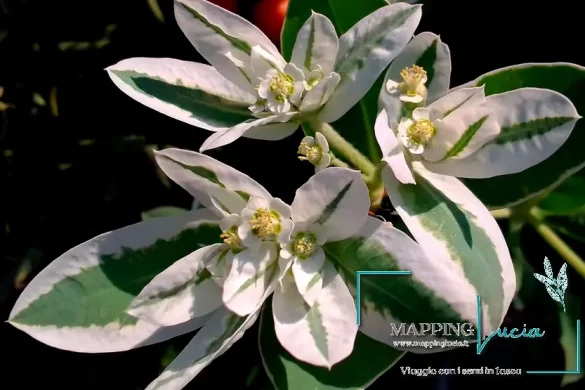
[
  {"x": 338, "y": 163},
  {"x": 501, "y": 213},
  {"x": 518, "y": 259},
  {"x": 375, "y": 179},
  {"x": 343, "y": 148},
  {"x": 375, "y": 185},
  {"x": 557, "y": 243}
]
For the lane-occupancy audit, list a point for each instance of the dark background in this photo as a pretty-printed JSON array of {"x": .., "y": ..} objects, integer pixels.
[{"x": 79, "y": 165}]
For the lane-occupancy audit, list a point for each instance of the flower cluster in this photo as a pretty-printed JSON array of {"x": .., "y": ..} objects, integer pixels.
[
  {"x": 316, "y": 151},
  {"x": 455, "y": 132},
  {"x": 266, "y": 244},
  {"x": 282, "y": 89},
  {"x": 260, "y": 95}
]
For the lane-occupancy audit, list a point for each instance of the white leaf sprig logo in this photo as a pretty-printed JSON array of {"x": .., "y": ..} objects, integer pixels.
[{"x": 555, "y": 287}]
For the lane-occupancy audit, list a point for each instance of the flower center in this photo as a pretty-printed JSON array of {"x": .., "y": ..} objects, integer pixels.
[
  {"x": 311, "y": 153},
  {"x": 304, "y": 244},
  {"x": 421, "y": 131},
  {"x": 412, "y": 80},
  {"x": 265, "y": 223},
  {"x": 231, "y": 238},
  {"x": 282, "y": 85}
]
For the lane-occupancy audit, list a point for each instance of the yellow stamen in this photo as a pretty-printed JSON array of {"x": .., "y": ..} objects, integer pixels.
[
  {"x": 282, "y": 85},
  {"x": 313, "y": 154},
  {"x": 421, "y": 131},
  {"x": 265, "y": 223},
  {"x": 231, "y": 238},
  {"x": 413, "y": 81},
  {"x": 304, "y": 244}
]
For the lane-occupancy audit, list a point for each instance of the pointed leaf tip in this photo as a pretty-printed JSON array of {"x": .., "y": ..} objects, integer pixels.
[
  {"x": 104, "y": 326},
  {"x": 560, "y": 77},
  {"x": 360, "y": 59}
]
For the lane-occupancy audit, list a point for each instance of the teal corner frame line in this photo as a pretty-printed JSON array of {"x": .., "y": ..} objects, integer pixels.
[
  {"x": 358, "y": 286},
  {"x": 576, "y": 371}
]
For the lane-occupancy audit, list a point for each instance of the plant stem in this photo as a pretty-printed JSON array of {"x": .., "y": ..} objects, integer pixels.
[
  {"x": 375, "y": 179},
  {"x": 518, "y": 260},
  {"x": 375, "y": 185},
  {"x": 343, "y": 148},
  {"x": 338, "y": 163},
  {"x": 557, "y": 243},
  {"x": 501, "y": 213}
]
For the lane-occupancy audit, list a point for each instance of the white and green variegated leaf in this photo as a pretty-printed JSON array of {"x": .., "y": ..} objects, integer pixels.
[
  {"x": 250, "y": 275},
  {"x": 162, "y": 211},
  {"x": 183, "y": 291},
  {"x": 565, "y": 78},
  {"x": 316, "y": 45},
  {"x": 427, "y": 51},
  {"x": 78, "y": 302},
  {"x": 460, "y": 135},
  {"x": 196, "y": 205},
  {"x": 188, "y": 91},
  {"x": 534, "y": 123},
  {"x": 455, "y": 229},
  {"x": 223, "y": 330},
  {"x": 356, "y": 372},
  {"x": 363, "y": 114},
  {"x": 270, "y": 129},
  {"x": 322, "y": 334},
  {"x": 365, "y": 51},
  {"x": 435, "y": 291},
  {"x": 216, "y": 185},
  {"x": 458, "y": 99},
  {"x": 218, "y": 335},
  {"x": 335, "y": 198},
  {"x": 393, "y": 151},
  {"x": 216, "y": 32}
]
